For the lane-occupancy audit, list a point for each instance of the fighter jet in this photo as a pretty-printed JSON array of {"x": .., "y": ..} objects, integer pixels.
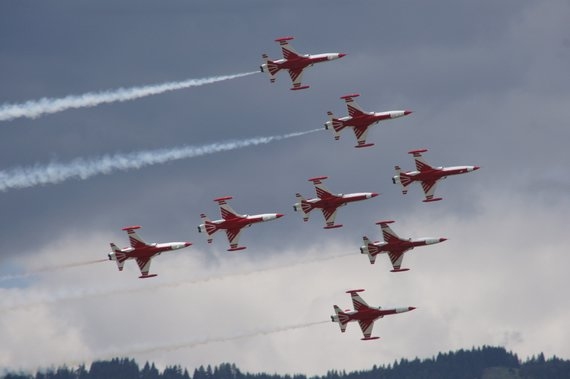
[
  {"x": 364, "y": 314},
  {"x": 232, "y": 222},
  {"x": 394, "y": 246},
  {"x": 327, "y": 202},
  {"x": 427, "y": 175},
  {"x": 293, "y": 62},
  {"x": 141, "y": 251},
  {"x": 359, "y": 120}
]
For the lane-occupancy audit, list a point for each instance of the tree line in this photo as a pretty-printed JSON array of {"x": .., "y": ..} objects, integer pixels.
[{"x": 481, "y": 362}]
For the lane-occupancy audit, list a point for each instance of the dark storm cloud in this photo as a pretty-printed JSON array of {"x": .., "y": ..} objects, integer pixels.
[{"x": 418, "y": 58}]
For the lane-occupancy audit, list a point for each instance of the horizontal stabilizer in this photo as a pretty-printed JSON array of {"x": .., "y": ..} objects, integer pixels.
[
  {"x": 355, "y": 291},
  {"x": 419, "y": 151},
  {"x": 134, "y": 227},
  {"x": 432, "y": 199},
  {"x": 147, "y": 276}
]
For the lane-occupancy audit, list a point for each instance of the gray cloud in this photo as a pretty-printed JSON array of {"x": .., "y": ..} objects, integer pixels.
[{"x": 488, "y": 85}]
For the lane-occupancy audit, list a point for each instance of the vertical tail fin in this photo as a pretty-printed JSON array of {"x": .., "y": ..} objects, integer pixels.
[
  {"x": 369, "y": 249},
  {"x": 340, "y": 317},
  {"x": 402, "y": 178},
  {"x": 334, "y": 125},
  {"x": 303, "y": 206},
  {"x": 270, "y": 67},
  {"x": 208, "y": 227},
  {"x": 118, "y": 256}
]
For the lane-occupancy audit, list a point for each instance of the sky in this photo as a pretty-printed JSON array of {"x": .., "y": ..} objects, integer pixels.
[{"x": 488, "y": 85}]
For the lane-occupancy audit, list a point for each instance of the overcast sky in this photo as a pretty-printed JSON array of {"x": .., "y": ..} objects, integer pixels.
[{"x": 488, "y": 83}]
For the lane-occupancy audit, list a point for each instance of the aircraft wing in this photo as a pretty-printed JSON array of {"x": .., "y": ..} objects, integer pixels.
[
  {"x": 134, "y": 239},
  {"x": 357, "y": 302},
  {"x": 329, "y": 214},
  {"x": 421, "y": 164},
  {"x": 396, "y": 260},
  {"x": 286, "y": 49},
  {"x": 233, "y": 237},
  {"x": 366, "y": 327},
  {"x": 320, "y": 189},
  {"x": 360, "y": 133},
  {"x": 429, "y": 189},
  {"x": 352, "y": 107},
  {"x": 226, "y": 211},
  {"x": 388, "y": 234},
  {"x": 144, "y": 265},
  {"x": 296, "y": 77}
]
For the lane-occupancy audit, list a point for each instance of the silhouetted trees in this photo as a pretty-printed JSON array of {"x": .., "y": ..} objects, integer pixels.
[{"x": 462, "y": 364}]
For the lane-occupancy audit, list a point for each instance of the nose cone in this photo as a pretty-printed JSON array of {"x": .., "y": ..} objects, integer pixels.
[
  {"x": 406, "y": 112},
  {"x": 442, "y": 239},
  {"x": 411, "y": 308},
  {"x": 476, "y": 168},
  {"x": 279, "y": 215},
  {"x": 340, "y": 55},
  {"x": 374, "y": 194},
  {"x": 186, "y": 244}
]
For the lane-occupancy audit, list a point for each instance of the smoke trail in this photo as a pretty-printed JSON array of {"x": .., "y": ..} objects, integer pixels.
[
  {"x": 77, "y": 294},
  {"x": 192, "y": 344},
  {"x": 80, "y": 168},
  {"x": 206, "y": 341},
  {"x": 36, "y": 108},
  {"x": 50, "y": 269}
]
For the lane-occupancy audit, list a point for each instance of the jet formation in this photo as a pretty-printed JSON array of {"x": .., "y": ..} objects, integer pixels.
[{"x": 360, "y": 121}]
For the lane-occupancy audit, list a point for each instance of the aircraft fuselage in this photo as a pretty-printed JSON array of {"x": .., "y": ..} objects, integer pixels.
[
  {"x": 150, "y": 250},
  {"x": 340, "y": 200},
  {"x": 434, "y": 174},
  {"x": 245, "y": 221}
]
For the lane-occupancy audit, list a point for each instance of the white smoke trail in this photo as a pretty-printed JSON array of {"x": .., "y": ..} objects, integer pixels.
[
  {"x": 37, "y": 108},
  {"x": 190, "y": 344},
  {"x": 80, "y": 168},
  {"x": 206, "y": 341},
  {"x": 78, "y": 294},
  {"x": 50, "y": 269}
]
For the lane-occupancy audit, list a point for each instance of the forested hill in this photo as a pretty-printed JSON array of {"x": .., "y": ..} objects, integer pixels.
[{"x": 486, "y": 362}]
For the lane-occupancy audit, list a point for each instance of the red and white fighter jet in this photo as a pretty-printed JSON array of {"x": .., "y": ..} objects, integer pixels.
[
  {"x": 294, "y": 62},
  {"x": 359, "y": 120},
  {"x": 141, "y": 251},
  {"x": 327, "y": 202},
  {"x": 364, "y": 314},
  {"x": 394, "y": 246},
  {"x": 427, "y": 175},
  {"x": 232, "y": 222}
]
